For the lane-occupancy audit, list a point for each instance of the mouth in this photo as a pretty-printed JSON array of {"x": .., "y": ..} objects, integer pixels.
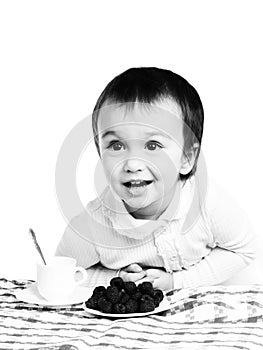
[{"x": 137, "y": 183}]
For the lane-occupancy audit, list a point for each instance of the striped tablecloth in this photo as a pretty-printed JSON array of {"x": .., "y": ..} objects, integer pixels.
[{"x": 201, "y": 318}]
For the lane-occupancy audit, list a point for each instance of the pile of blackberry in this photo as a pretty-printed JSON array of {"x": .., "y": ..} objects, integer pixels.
[{"x": 125, "y": 297}]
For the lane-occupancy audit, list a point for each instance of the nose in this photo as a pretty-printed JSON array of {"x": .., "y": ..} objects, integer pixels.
[{"x": 132, "y": 165}]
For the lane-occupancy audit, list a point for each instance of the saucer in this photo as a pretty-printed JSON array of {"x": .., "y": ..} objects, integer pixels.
[{"x": 31, "y": 295}]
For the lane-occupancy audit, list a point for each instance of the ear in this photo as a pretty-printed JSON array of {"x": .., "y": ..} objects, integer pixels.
[{"x": 188, "y": 159}]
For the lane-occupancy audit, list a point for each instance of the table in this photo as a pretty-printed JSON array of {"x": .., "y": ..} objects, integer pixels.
[{"x": 202, "y": 318}]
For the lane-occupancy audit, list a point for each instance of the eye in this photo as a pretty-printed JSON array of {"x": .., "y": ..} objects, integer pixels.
[
  {"x": 115, "y": 146},
  {"x": 153, "y": 145}
]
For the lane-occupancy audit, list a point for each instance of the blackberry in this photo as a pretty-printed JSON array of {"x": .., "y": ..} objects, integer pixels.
[
  {"x": 146, "y": 306},
  {"x": 130, "y": 287},
  {"x": 119, "y": 308},
  {"x": 147, "y": 298},
  {"x": 100, "y": 302},
  {"x": 131, "y": 306},
  {"x": 113, "y": 294},
  {"x": 117, "y": 282},
  {"x": 124, "y": 297},
  {"x": 158, "y": 294},
  {"x": 104, "y": 305},
  {"x": 156, "y": 302},
  {"x": 137, "y": 295},
  {"x": 92, "y": 303},
  {"x": 146, "y": 288},
  {"x": 99, "y": 291}
]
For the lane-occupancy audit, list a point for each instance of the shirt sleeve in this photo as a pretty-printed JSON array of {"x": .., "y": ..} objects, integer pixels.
[
  {"x": 77, "y": 243},
  {"x": 233, "y": 243}
]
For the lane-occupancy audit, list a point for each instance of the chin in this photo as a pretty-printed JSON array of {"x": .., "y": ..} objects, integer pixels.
[{"x": 136, "y": 205}]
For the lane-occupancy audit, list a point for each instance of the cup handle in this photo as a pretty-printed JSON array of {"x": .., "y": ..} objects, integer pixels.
[{"x": 83, "y": 273}]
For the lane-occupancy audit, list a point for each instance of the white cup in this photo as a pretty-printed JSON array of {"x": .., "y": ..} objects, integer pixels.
[{"x": 57, "y": 280}]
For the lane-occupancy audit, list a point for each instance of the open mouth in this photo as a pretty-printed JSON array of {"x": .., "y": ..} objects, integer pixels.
[{"x": 137, "y": 183}]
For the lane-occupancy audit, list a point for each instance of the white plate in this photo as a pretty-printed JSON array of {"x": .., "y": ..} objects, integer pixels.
[
  {"x": 164, "y": 306},
  {"x": 31, "y": 295}
]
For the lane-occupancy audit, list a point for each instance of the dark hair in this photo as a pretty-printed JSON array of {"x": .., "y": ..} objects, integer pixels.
[{"x": 148, "y": 85}]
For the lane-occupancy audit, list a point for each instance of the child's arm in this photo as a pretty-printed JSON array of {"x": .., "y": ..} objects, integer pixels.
[
  {"x": 234, "y": 243},
  {"x": 75, "y": 243}
]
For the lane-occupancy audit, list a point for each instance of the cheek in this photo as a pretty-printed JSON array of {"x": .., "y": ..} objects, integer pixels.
[
  {"x": 167, "y": 165},
  {"x": 111, "y": 167}
]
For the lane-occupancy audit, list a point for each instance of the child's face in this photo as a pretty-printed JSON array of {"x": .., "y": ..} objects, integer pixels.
[{"x": 142, "y": 154}]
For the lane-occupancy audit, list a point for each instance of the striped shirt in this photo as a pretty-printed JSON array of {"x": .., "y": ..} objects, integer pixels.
[{"x": 202, "y": 238}]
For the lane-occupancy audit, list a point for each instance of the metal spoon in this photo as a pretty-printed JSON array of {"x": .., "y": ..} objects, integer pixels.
[{"x": 33, "y": 236}]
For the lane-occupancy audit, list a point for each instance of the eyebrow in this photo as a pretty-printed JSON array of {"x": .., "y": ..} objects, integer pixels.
[
  {"x": 150, "y": 133},
  {"x": 109, "y": 133}
]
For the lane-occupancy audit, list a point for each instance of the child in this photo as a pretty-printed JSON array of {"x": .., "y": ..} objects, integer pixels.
[{"x": 159, "y": 219}]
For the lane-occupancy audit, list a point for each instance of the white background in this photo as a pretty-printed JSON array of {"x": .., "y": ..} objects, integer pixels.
[{"x": 56, "y": 58}]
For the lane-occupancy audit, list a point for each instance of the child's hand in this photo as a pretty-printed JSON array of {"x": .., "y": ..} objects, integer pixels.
[
  {"x": 132, "y": 273},
  {"x": 159, "y": 279}
]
